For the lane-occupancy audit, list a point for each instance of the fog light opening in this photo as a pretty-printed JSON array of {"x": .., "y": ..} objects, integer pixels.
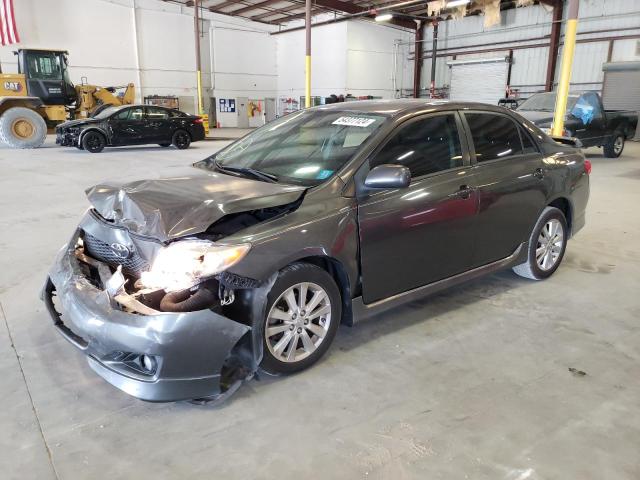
[{"x": 148, "y": 363}]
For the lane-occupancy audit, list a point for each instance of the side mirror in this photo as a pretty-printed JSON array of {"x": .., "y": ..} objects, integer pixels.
[{"x": 388, "y": 176}]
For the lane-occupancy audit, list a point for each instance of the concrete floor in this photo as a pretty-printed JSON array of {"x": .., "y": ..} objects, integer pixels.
[{"x": 472, "y": 383}]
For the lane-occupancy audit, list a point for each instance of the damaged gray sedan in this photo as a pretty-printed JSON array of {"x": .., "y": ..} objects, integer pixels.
[{"x": 182, "y": 288}]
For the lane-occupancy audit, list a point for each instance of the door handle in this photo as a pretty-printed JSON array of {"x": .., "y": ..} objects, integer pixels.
[
  {"x": 538, "y": 173},
  {"x": 464, "y": 192}
]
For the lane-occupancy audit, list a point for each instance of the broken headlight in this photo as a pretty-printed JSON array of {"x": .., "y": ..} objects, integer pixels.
[{"x": 186, "y": 263}]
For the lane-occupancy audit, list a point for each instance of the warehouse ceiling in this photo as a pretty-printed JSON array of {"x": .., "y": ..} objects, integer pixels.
[{"x": 281, "y": 12}]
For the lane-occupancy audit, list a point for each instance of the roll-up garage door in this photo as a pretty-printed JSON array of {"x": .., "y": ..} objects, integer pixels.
[
  {"x": 478, "y": 80},
  {"x": 621, "y": 90}
]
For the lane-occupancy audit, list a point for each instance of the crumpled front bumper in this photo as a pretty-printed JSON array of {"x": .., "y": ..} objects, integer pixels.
[
  {"x": 67, "y": 138},
  {"x": 190, "y": 348}
]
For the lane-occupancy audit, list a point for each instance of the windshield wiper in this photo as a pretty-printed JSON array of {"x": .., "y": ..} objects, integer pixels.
[{"x": 264, "y": 176}]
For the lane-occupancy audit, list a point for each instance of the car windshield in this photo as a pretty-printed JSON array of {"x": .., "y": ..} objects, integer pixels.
[
  {"x": 546, "y": 102},
  {"x": 304, "y": 148},
  {"x": 107, "y": 112}
]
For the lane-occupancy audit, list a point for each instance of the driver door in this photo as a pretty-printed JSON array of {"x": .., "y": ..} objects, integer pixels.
[
  {"x": 424, "y": 233},
  {"x": 128, "y": 126}
]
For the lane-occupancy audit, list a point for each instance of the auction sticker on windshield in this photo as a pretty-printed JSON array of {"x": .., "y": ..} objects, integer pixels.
[{"x": 354, "y": 121}]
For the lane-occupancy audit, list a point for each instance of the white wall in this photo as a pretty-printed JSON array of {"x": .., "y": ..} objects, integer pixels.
[
  {"x": 370, "y": 58},
  {"x": 328, "y": 61},
  {"x": 150, "y": 43},
  {"x": 244, "y": 66},
  {"x": 81, "y": 28}
]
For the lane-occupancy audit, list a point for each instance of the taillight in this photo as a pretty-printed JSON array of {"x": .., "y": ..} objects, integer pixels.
[
  {"x": 587, "y": 166},
  {"x": 198, "y": 120}
]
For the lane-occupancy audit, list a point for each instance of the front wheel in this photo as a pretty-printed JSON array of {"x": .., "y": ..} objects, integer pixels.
[
  {"x": 93, "y": 142},
  {"x": 181, "y": 140},
  {"x": 614, "y": 147},
  {"x": 547, "y": 245},
  {"x": 303, "y": 312}
]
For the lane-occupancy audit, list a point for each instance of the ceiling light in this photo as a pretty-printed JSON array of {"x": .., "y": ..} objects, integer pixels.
[
  {"x": 457, "y": 3},
  {"x": 385, "y": 17}
]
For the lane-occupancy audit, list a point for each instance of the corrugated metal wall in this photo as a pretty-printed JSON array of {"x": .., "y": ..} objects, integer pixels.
[{"x": 526, "y": 31}]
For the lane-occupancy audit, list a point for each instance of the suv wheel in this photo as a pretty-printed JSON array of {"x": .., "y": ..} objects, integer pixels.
[
  {"x": 547, "y": 245},
  {"x": 303, "y": 312}
]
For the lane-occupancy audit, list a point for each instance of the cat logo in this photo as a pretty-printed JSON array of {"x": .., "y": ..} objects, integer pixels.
[{"x": 13, "y": 86}]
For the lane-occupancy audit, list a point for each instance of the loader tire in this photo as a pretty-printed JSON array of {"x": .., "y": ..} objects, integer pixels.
[{"x": 22, "y": 127}]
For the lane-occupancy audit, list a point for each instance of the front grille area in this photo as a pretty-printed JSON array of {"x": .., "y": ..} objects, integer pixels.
[{"x": 96, "y": 248}]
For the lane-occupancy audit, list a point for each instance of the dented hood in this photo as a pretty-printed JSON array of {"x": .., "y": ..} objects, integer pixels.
[{"x": 168, "y": 208}]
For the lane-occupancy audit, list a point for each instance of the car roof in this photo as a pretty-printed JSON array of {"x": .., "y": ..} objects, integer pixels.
[{"x": 406, "y": 105}]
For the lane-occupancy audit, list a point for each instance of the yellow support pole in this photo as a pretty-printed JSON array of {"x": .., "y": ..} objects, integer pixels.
[
  {"x": 565, "y": 69},
  {"x": 199, "y": 80},
  {"x": 307, "y": 59}
]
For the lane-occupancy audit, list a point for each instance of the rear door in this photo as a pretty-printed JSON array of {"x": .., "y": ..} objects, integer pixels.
[
  {"x": 415, "y": 236},
  {"x": 127, "y": 126},
  {"x": 513, "y": 184},
  {"x": 157, "y": 127}
]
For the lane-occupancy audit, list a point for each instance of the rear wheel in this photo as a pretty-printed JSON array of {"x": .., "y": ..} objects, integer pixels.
[
  {"x": 181, "y": 139},
  {"x": 22, "y": 127},
  {"x": 93, "y": 142},
  {"x": 614, "y": 147},
  {"x": 303, "y": 313},
  {"x": 547, "y": 245}
]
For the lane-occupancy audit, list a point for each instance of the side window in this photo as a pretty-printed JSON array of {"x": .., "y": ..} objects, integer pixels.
[
  {"x": 494, "y": 136},
  {"x": 155, "y": 113},
  {"x": 425, "y": 146},
  {"x": 135, "y": 113},
  {"x": 124, "y": 114},
  {"x": 177, "y": 114}
]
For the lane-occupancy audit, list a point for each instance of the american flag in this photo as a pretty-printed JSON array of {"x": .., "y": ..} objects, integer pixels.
[{"x": 8, "y": 29}]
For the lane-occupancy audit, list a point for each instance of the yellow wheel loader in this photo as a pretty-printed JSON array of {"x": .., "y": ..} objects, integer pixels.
[{"x": 41, "y": 95}]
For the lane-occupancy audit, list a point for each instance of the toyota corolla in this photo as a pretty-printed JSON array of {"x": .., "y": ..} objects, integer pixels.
[{"x": 182, "y": 288}]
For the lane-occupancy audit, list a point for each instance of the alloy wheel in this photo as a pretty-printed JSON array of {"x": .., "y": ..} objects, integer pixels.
[
  {"x": 298, "y": 322},
  {"x": 550, "y": 242},
  {"x": 182, "y": 140},
  {"x": 618, "y": 144}
]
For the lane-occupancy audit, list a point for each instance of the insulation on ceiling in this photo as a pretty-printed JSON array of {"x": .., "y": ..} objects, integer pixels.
[
  {"x": 434, "y": 7},
  {"x": 491, "y": 10}
]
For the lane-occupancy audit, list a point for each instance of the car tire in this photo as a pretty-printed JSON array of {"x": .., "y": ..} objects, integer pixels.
[
  {"x": 22, "y": 127},
  {"x": 165, "y": 145},
  {"x": 546, "y": 247},
  {"x": 181, "y": 139},
  {"x": 614, "y": 147},
  {"x": 312, "y": 335},
  {"x": 93, "y": 142}
]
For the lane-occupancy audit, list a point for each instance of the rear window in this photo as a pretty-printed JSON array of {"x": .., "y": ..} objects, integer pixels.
[
  {"x": 155, "y": 113},
  {"x": 494, "y": 136}
]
